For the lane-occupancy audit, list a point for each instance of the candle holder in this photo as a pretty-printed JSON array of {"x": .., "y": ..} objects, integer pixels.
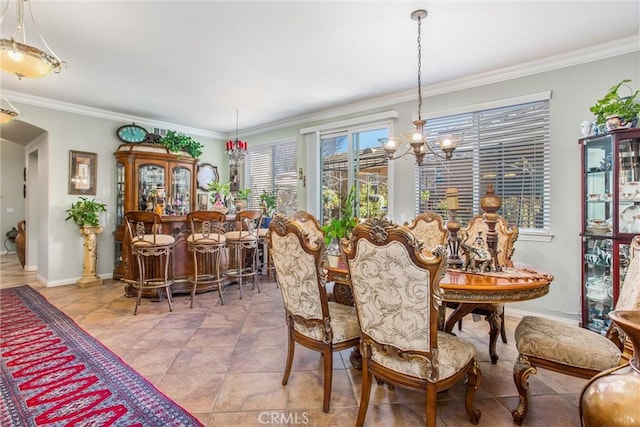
[
  {"x": 490, "y": 204},
  {"x": 453, "y": 241}
]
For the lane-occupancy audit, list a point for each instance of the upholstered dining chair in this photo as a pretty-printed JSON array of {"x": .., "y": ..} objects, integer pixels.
[
  {"x": 310, "y": 226},
  {"x": 568, "y": 349},
  {"x": 428, "y": 227},
  {"x": 207, "y": 244},
  {"x": 507, "y": 236},
  {"x": 312, "y": 321},
  {"x": 243, "y": 247},
  {"x": 397, "y": 298},
  {"x": 152, "y": 251}
]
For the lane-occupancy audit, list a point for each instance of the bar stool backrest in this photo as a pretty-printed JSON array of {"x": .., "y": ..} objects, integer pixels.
[
  {"x": 248, "y": 223},
  {"x": 145, "y": 229},
  {"x": 207, "y": 227}
]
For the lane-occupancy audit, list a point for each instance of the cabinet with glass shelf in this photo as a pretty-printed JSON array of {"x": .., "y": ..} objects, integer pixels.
[
  {"x": 151, "y": 178},
  {"x": 610, "y": 195}
]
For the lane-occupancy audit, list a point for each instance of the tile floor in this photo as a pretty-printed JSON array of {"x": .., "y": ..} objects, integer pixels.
[{"x": 224, "y": 364}]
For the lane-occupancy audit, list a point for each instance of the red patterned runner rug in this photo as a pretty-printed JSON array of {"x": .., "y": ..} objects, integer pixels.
[{"x": 56, "y": 374}]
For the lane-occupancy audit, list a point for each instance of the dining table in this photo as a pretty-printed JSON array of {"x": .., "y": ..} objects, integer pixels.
[{"x": 519, "y": 282}]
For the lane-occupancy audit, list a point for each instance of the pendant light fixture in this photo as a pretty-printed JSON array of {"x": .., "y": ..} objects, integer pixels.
[
  {"x": 7, "y": 111},
  {"x": 20, "y": 58},
  {"x": 236, "y": 149},
  {"x": 417, "y": 137}
]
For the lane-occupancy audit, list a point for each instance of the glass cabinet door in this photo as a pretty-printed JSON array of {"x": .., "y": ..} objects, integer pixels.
[
  {"x": 120, "y": 187},
  {"x": 151, "y": 191},
  {"x": 629, "y": 185},
  {"x": 598, "y": 186},
  {"x": 599, "y": 290},
  {"x": 179, "y": 198}
]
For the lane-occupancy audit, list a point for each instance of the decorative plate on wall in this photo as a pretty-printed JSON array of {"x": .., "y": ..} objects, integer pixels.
[{"x": 207, "y": 173}]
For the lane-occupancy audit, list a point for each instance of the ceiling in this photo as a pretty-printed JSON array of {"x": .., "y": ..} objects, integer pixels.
[{"x": 192, "y": 63}]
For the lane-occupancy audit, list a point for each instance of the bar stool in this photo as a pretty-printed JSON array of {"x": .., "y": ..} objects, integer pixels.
[
  {"x": 243, "y": 245},
  {"x": 207, "y": 244},
  {"x": 152, "y": 251},
  {"x": 265, "y": 263}
]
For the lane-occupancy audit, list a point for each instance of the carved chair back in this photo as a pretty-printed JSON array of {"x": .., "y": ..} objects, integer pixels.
[
  {"x": 310, "y": 226},
  {"x": 395, "y": 292},
  {"x": 428, "y": 227},
  {"x": 300, "y": 275},
  {"x": 507, "y": 236}
]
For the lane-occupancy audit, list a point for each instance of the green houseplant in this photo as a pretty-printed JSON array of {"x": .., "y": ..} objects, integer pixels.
[
  {"x": 341, "y": 227},
  {"x": 219, "y": 191},
  {"x": 85, "y": 212},
  {"x": 176, "y": 141},
  {"x": 243, "y": 194},
  {"x": 268, "y": 200},
  {"x": 614, "y": 105}
]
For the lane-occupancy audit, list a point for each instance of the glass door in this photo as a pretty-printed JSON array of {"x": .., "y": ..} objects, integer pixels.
[
  {"x": 598, "y": 186},
  {"x": 629, "y": 185},
  {"x": 179, "y": 199},
  {"x": 151, "y": 190}
]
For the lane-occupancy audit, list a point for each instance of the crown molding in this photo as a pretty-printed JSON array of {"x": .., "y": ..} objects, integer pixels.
[
  {"x": 68, "y": 107},
  {"x": 556, "y": 62},
  {"x": 580, "y": 56}
]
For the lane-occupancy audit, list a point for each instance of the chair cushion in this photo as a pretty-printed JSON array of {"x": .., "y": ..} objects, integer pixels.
[
  {"x": 148, "y": 240},
  {"x": 262, "y": 232},
  {"x": 344, "y": 324},
  {"x": 566, "y": 344},
  {"x": 213, "y": 239},
  {"x": 235, "y": 235},
  {"x": 454, "y": 354}
]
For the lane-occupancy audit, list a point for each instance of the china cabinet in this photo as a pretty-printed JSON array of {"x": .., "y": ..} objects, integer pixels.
[
  {"x": 151, "y": 178},
  {"x": 610, "y": 218}
]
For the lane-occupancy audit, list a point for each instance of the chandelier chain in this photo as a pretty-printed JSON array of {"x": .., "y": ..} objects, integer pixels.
[{"x": 419, "y": 69}]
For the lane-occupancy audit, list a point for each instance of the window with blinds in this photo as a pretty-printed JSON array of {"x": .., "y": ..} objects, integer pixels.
[
  {"x": 272, "y": 168},
  {"x": 508, "y": 147}
]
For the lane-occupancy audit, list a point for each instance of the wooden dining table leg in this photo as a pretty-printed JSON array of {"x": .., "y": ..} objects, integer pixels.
[{"x": 494, "y": 320}]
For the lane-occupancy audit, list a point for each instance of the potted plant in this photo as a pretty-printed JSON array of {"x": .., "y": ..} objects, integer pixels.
[
  {"x": 241, "y": 198},
  {"x": 85, "y": 214},
  {"x": 176, "y": 141},
  {"x": 615, "y": 111},
  {"x": 268, "y": 201},
  {"x": 341, "y": 227},
  {"x": 219, "y": 194}
]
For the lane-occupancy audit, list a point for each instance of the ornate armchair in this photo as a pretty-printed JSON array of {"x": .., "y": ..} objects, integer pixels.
[
  {"x": 507, "y": 236},
  {"x": 312, "y": 320},
  {"x": 428, "y": 227},
  {"x": 397, "y": 297},
  {"x": 569, "y": 349}
]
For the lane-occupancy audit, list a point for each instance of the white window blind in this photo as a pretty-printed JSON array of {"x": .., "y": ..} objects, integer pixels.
[
  {"x": 508, "y": 147},
  {"x": 272, "y": 168}
]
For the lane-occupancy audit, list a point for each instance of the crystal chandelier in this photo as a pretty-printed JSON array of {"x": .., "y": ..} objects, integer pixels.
[
  {"x": 21, "y": 59},
  {"x": 417, "y": 137},
  {"x": 236, "y": 149}
]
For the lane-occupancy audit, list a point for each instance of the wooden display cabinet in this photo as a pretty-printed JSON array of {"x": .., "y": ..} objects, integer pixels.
[
  {"x": 150, "y": 177},
  {"x": 610, "y": 219}
]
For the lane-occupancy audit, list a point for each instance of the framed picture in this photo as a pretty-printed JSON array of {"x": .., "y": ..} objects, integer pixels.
[
  {"x": 82, "y": 172},
  {"x": 203, "y": 201}
]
